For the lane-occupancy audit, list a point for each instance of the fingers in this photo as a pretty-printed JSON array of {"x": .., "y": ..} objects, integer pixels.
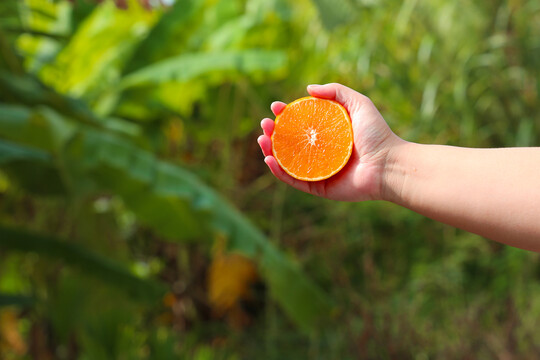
[
  {"x": 277, "y": 107},
  {"x": 275, "y": 168},
  {"x": 268, "y": 126},
  {"x": 340, "y": 93},
  {"x": 283, "y": 176},
  {"x": 266, "y": 144},
  {"x": 265, "y": 141}
]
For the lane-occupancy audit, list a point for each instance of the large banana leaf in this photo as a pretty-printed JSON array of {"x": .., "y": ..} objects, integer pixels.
[
  {"x": 166, "y": 197},
  {"x": 187, "y": 208},
  {"x": 107, "y": 37},
  {"x": 188, "y": 66}
]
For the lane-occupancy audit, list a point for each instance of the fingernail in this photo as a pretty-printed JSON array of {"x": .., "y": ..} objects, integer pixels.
[{"x": 313, "y": 86}]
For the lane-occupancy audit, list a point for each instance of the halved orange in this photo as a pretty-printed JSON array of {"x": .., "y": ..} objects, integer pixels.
[{"x": 313, "y": 138}]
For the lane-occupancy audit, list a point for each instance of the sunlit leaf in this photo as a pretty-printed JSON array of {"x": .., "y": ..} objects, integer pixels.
[
  {"x": 107, "y": 37},
  {"x": 188, "y": 66}
]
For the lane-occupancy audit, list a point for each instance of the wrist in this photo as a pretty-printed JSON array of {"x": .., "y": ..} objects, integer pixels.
[{"x": 397, "y": 172}]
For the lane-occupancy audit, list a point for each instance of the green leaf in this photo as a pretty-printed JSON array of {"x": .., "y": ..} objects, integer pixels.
[
  {"x": 107, "y": 37},
  {"x": 335, "y": 13},
  {"x": 165, "y": 31},
  {"x": 188, "y": 66},
  {"x": 85, "y": 260},
  {"x": 9, "y": 60},
  {"x": 15, "y": 300},
  {"x": 27, "y": 90},
  {"x": 103, "y": 162},
  {"x": 31, "y": 168},
  {"x": 23, "y": 93},
  {"x": 10, "y": 152}
]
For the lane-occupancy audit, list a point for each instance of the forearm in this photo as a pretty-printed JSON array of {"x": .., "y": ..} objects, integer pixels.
[{"x": 491, "y": 192}]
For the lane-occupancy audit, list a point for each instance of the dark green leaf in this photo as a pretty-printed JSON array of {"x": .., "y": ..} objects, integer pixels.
[
  {"x": 16, "y": 300},
  {"x": 31, "y": 168},
  {"x": 85, "y": 260}
]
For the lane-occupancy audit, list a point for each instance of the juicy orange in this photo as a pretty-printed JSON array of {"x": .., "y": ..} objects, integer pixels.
[{"x": 312, "y": 138}]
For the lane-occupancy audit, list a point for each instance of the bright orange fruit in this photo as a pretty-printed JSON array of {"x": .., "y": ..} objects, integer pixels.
[{"x": 313, "y": 138}]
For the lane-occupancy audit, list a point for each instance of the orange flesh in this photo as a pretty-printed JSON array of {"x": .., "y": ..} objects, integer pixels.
[{"x": 312, "y": 138}]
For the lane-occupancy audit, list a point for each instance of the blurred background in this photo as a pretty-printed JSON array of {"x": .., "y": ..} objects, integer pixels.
[{"x": 138, "y": 220}]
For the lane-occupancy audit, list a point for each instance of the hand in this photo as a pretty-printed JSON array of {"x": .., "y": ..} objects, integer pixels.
[{"x": 363, "y": 176}]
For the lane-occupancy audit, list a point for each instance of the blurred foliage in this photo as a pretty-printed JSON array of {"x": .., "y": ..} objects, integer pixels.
[{"x": 138, "y": 221}]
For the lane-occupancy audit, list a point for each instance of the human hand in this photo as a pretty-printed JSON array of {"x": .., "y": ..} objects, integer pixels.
[{"x": 364, "y": 175}]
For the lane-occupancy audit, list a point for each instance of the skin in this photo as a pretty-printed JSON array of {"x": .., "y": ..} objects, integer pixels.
[{"x": 491, "y": 192}]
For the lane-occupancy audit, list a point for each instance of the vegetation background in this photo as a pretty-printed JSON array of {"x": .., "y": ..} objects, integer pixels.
[{"x": 138, "y": 220}]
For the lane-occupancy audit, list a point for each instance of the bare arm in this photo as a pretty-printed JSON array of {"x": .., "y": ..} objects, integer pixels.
[{"x": 491, "y": 192}]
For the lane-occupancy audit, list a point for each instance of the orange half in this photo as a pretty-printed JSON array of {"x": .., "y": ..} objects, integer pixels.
[{"x": 313, "y": 138}]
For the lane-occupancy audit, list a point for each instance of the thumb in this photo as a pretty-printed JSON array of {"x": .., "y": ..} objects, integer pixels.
[{"x": 340, "y": 93}]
